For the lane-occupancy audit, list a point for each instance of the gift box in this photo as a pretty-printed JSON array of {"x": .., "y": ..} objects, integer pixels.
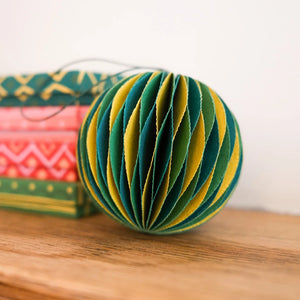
[{"x": 37, "y": 158}]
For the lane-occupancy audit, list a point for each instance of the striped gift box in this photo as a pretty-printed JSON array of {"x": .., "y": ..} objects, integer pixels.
[{"x": 37, "y": 159}]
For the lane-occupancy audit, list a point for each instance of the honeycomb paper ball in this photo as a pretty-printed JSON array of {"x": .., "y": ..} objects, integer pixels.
[{"x": 159, "y": 153}]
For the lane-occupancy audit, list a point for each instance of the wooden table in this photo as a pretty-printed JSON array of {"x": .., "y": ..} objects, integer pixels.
[{"x": 237, "y": 255}]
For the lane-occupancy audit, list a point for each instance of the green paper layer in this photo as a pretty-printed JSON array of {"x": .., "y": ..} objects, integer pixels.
[
  {"x": 51, "y": 197},
  {"x": 59, "y": 88}
]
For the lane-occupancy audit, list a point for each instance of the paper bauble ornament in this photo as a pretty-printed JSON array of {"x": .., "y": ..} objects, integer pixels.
[{"x": 159, "y": 153}]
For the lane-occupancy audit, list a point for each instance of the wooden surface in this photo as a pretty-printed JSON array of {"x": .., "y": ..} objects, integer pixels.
[{"x": 237, "y": 255}]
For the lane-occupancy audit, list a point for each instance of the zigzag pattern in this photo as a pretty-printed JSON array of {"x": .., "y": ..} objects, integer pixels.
[{"x": 7, "y": 156}]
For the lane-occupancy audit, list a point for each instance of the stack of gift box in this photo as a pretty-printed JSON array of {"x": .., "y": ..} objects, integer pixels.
[{"x": 40, "y": 116}]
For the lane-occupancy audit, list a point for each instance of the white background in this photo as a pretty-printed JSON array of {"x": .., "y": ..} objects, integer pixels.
[{"x": 248, "y": 51}]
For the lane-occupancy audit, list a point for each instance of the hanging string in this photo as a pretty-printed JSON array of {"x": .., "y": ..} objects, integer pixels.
[{"x": 129, "y": 68}]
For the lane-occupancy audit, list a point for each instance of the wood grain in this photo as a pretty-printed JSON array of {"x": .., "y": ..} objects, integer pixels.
[{"x": 237, "y": 255}]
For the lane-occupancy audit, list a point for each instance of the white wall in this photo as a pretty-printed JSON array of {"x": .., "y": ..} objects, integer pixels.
[{"x": 249, "y": 51}]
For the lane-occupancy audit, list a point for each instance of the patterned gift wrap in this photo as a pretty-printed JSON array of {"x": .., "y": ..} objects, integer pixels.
[
  {"x": 52, "y": 89},
  {"x": 68, "y": 119},
  {"x": 20, "y": 171},
  {"x": 45, "y": 150},
  {"x": 48, "y": 197},
  {"x": 41, "y": 155}
]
